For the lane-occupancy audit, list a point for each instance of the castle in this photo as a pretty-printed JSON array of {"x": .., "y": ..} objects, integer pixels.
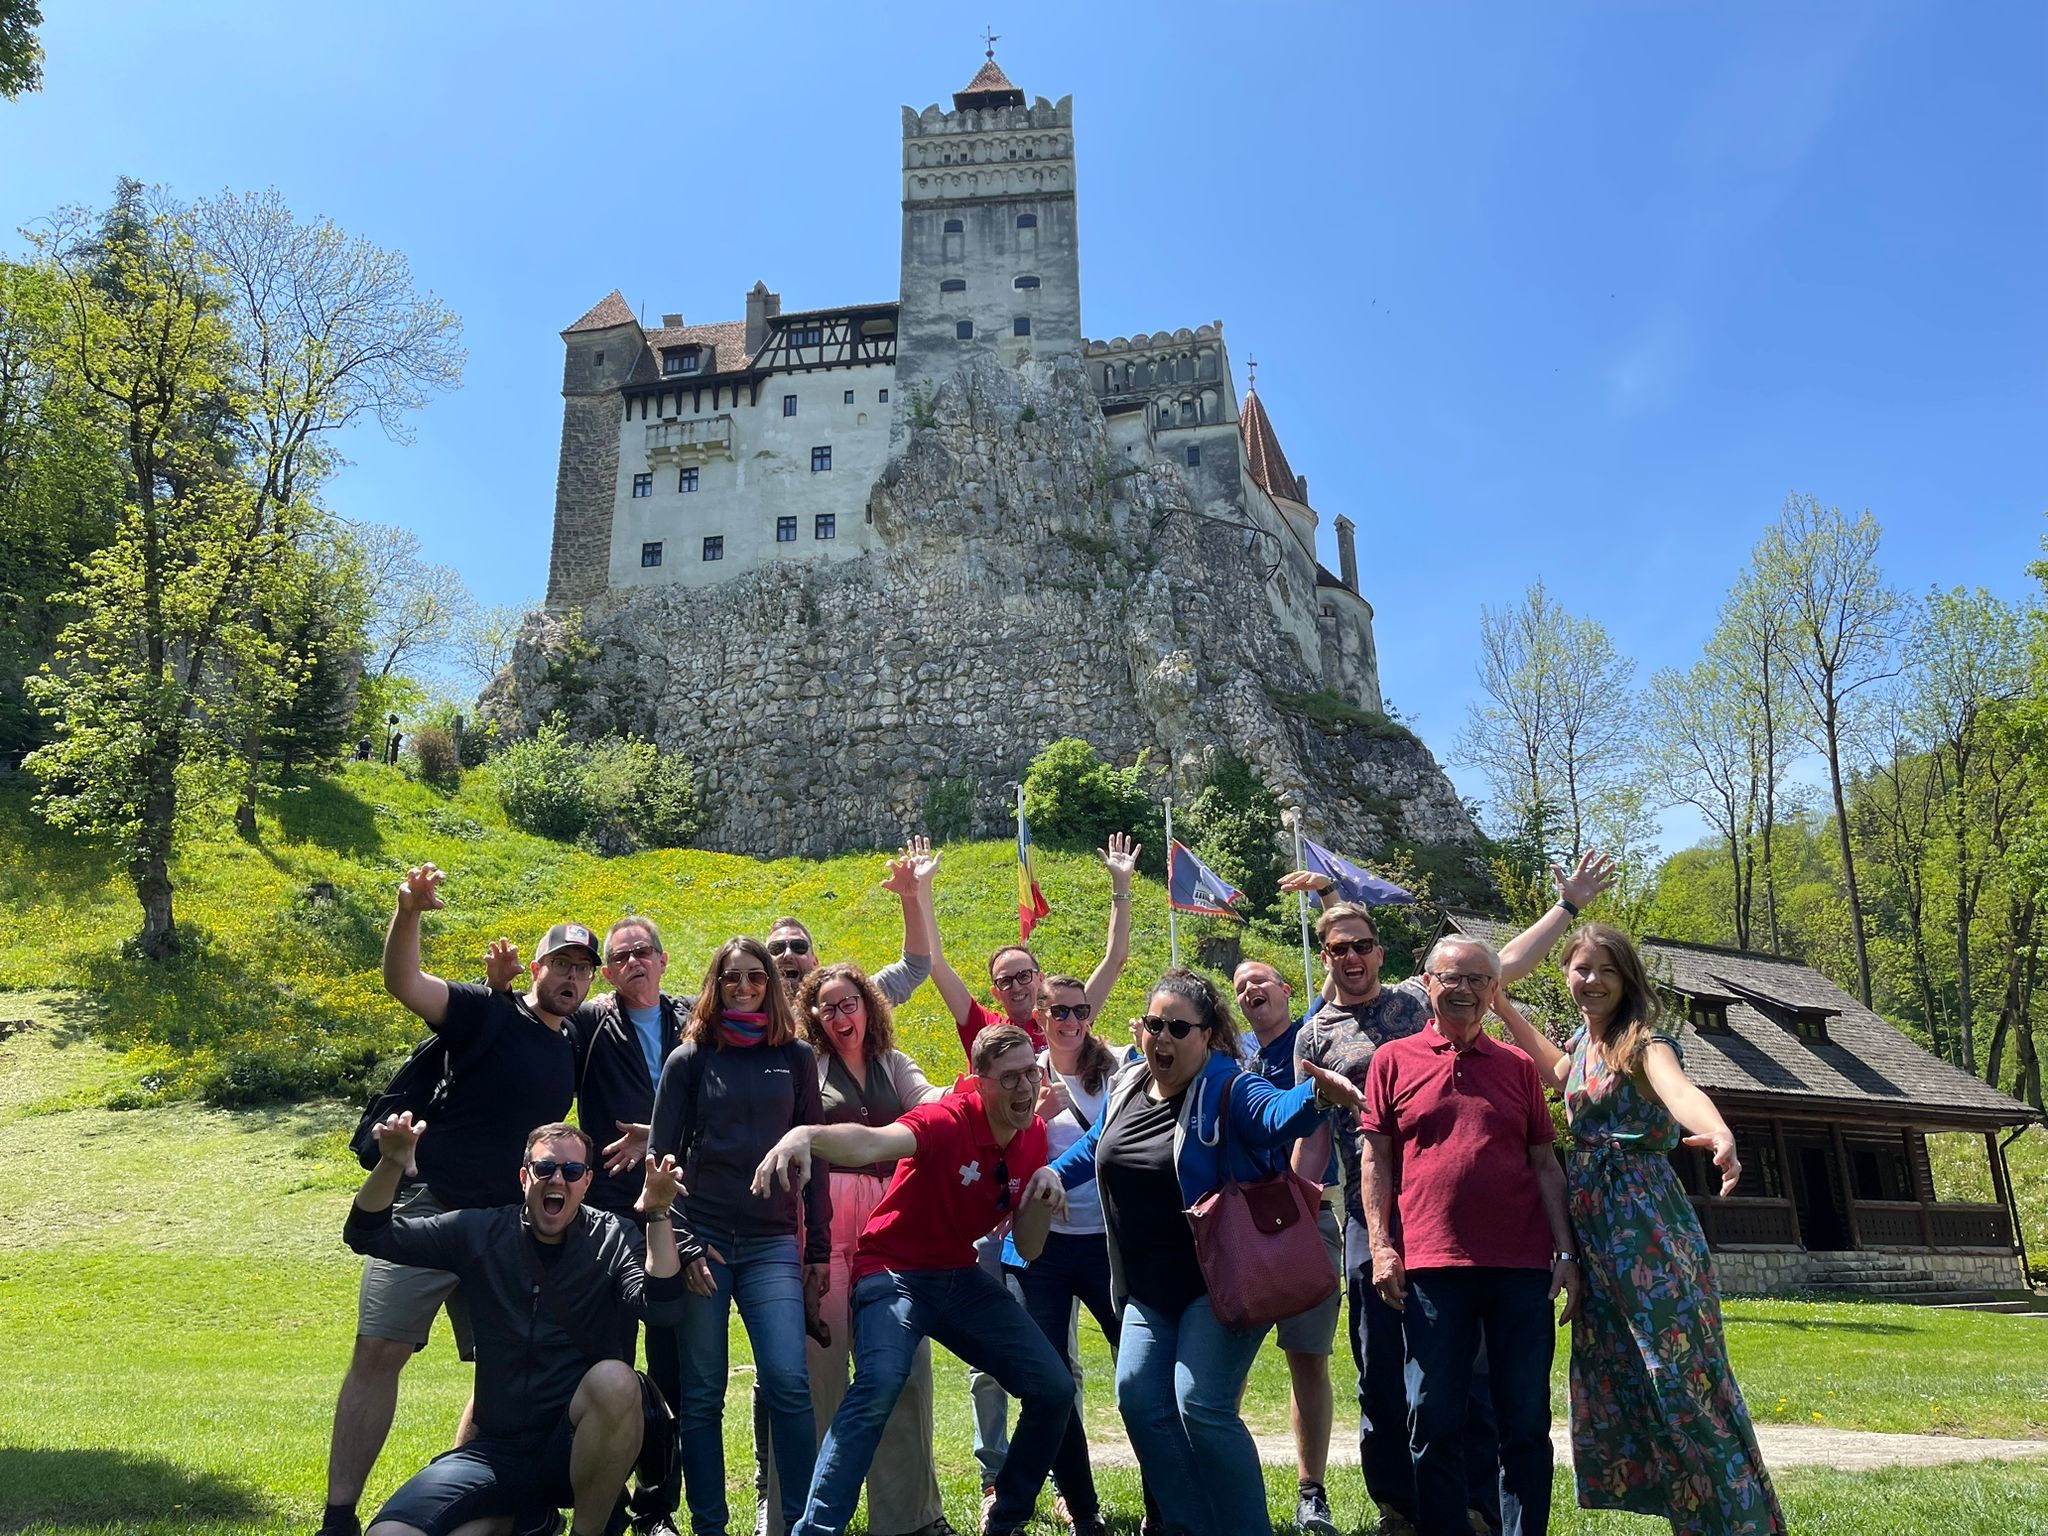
[{"x": 692, "y": 454}]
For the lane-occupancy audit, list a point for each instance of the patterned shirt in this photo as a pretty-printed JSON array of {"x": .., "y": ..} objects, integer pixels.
[{"x": 1342, "y": 1037}]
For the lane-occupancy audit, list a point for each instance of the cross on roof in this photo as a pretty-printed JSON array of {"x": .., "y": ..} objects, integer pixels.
[
  {"x": 1251, "y": 373},
  {"x": 991, "y": 38}
]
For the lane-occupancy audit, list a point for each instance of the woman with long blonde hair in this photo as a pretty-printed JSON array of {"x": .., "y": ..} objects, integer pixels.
[{"x": 1658, "y": 1424}]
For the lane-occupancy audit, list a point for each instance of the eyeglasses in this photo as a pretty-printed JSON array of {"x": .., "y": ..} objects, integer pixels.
[
  {"x": 545, "y": 1168},
  {"x": 1065, "y": 1011},
  {"x": 1010, "y": 1082},
  {"x": 845, "y": 1010},
  {"x": 754, "y": 978},
  {"x": 1337, "y": 949},
  {"x": 1002, "y": 1177},
  {"x": 1477, "y": 981},
  {"x": 1153, "y": 1024},
  {"x": 789, "y": 946},
  {"x": 1014, "y": 979},
  {"x": 637, "y": 952}
]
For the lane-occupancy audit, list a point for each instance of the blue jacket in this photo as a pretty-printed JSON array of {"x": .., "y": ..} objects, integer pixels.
[{"x": 1263, "y": 1123}]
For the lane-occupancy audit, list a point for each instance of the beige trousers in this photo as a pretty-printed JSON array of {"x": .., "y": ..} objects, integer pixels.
[{"x": 903, "y": 1487}]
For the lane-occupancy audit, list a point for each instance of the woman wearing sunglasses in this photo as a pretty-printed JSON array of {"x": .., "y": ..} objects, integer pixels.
[
  {"x": 742, "y": 1078},
  {"x": 863, "y": 1080},
  {"x": 1157, "y": 1148}
]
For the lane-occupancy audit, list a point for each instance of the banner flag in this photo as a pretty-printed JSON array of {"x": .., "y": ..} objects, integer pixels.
[
  {"x": 1030, "y": 899},
  {"x": 1192, "y": 886},
  {"x": 1352, "y": 882}
]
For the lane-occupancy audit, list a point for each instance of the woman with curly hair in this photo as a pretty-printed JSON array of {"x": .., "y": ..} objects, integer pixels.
[
  {"x": 1658, "y": 1425},
  {"x": 740, "y": 1079},
  {"x": 863, "y": 1079}
]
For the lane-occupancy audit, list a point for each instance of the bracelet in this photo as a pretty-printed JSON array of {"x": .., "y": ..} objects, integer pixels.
[
  {"x": 1569, "y": 909},
  {"x": 1124, "y": 899}
]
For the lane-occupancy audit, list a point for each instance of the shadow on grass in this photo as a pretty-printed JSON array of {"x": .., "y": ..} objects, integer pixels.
[
  {"x": 1838, "y": 1324},
  {"x": 325, "y": 811},
  {"x": 93, "y": 1486}
]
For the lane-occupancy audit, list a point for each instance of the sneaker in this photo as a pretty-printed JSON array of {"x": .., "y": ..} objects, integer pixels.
[
  {"x": 655, "y": 1525},
  {"x": 939, "y": 1527},
  {"x": 341, "y": 1522},
  {"x": 1393, "y": 1523},
  {"x": 1088, "y": 1525},
  {"x": 1312, "y": 1511}
]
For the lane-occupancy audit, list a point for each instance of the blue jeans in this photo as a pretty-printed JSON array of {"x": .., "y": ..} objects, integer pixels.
[
  {"x": 764, "y": 1276},
  {"x": 973, "y": 1316},
  {"x": 991, "y": 1403},
  {"x": 1177, "y": 1382},
  {"x": 1449, "y": 1311}
]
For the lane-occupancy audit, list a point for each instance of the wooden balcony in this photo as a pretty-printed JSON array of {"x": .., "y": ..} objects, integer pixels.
[{"x": 1924, "y": 1225}]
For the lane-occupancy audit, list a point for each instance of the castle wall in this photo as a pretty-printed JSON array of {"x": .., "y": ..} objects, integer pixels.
[
  {"x": 1350, "y": 660},
  {"x": 595, "y": 365},
  {"x": 755, "y": 470}
]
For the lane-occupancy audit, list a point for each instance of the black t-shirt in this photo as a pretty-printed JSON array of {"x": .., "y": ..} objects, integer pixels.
[
  {"x": 512, "y": 1073},
  {"x": 1141, "y": 1203}
]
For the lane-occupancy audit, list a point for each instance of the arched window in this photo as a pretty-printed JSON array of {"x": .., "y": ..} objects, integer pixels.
[{"x": 1026, "y": 281}]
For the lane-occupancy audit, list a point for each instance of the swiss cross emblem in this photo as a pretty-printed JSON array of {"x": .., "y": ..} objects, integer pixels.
[{"x": 969, "y": 1172}]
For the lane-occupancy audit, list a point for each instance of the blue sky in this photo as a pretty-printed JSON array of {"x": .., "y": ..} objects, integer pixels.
[{"x": 1577, "y": 291}]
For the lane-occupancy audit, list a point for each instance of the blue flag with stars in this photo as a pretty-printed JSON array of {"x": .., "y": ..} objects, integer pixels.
[{"x": 1351, "y": 882}]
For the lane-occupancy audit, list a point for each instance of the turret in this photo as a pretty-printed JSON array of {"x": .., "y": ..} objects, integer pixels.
[{"x": 599, "y": 354}]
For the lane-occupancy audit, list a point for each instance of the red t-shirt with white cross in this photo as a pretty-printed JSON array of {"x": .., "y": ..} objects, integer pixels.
[
  {"x": 952, "y": 1192},
  {"x": 980, "y": 1016}
]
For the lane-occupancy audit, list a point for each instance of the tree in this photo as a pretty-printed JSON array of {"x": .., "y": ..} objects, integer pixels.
[
  {"x": 484, "y": 639},
  {"x": 1842, "y": 622},
  {"x": 415, "y": 608},
  {"x": 1751, "y": 637},
  {"x": 1893, "y": 807},
  {"x": 21, "y": 55},
  {"x": 1705, "y": 735},
  {"x": 1556, "y": 741}
]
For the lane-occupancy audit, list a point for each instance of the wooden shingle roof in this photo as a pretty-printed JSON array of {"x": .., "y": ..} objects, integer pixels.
[
  {"x": 1863, "y": 1062},
  {"x": 725, "y": 343},
  {"x": 609, "y": 311},
  {"x": 1262, "y": 455}
]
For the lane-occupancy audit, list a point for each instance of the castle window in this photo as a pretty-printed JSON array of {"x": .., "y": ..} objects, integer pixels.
[
  {"x": 789, "y": 405},
  {"x": 672, "y": 362},
  {"x": 643, "y": 485},
  {"x": 847, "y": 399},
  {"x": 807, "y": 336},
  {"x": 964, "y": 330},
  {"x": 1027, "y": 221},
  {"x": 686, "y": 478},
  {"x": 825, "y": 526},
  {"x": 1194, "y": 454},
  {"x": 955, "y": 227},
  {"x": 1166, "y": 415},
  {"x": 1187, "y": 412},
  {"x": 785, "y": 530},
  {"x": 714, "y": 546},
  {"x": 1021, "y": 326},
  {"x": 597, "y": 359},
  {"x": 953, "y": 285},
  {"x": 1026, "y": 281},
  {"x": 650, "y": 554},
  {"x": 882, "y": 397},
  {"x": 821, "y": 459}
]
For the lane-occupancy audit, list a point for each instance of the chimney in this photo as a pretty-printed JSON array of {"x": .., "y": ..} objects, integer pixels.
[
  {"x": 1347, "y": 551},
  {"x": 671, "y": 322},
  {"x": 761, "y": 305},
  {"x": 1301, "y": 489}
]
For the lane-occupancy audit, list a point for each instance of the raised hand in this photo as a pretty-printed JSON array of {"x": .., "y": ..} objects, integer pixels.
[
  {"x": 501, "y": 965},
  {"x": 1309, "y": 880},
  {"x": 420, "y": 890},
  {"x": 1045, "y": 1188},
  {"x": 1052, "y": 1098},
  {"x": 398, "y": 1139},
  {"x": 628, "y": 1150},
  {"x": 662, "y": 1186},
  {"x": 924, "y": 862},
  {"x": 1723, "y": 1144},
  {"x": 901, "y": 880},
  {"x": 787, "y": 1165},
  {"x": 1121, "y": 859},
  {"x": 1593, "y": 877},
  {"x": 1334, "y": 1088}
]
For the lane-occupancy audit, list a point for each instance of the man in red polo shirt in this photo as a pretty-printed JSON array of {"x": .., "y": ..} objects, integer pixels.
[
  {"x": 1465, "y": 1209},
  {"x": 962, "y": 1163}
]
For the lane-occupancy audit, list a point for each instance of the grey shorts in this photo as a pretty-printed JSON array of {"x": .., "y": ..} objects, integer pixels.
[
  {"x": 398, "y": 1301},
  {"x": 1314, "y": 1332}
]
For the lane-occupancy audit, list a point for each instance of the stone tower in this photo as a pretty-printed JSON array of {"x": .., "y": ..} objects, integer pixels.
[
  {"x": 991, "y": 256},
  {"x": 599, "y": 354}
]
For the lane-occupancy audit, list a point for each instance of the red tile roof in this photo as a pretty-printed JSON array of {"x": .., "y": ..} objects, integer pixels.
[
  {"x": 1262, "y": 453},
  {"x": 989, "y": 77},
  {"x": 611, "y": 310},
  {"x": 726, "y": 340}
]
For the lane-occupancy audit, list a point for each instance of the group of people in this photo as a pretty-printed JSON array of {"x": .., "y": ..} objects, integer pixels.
[{"x": 767, "y": 1146}]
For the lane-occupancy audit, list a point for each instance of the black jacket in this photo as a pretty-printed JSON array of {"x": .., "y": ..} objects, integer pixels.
[
  {"x": 613, "y": 1085},
  {"x": 527, "y": 1365}
]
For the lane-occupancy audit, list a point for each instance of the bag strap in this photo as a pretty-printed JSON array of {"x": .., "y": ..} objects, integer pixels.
[
  {"x": 544, "y": 1287},
  {"x": 1073, "y": 1104}
]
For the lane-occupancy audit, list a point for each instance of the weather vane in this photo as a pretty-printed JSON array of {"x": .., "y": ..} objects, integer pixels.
[
  {"x": 1251, "y": 378},
  {"x": 992, "y": 37}
]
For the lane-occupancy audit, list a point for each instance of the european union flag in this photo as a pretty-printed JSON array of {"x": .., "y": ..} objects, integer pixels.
[
  {"x": 1192, "y": 886},
  {"x": 1352, "y": 882}
]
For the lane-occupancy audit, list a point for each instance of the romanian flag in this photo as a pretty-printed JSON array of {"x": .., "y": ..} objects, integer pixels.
[
  {"x": 1350, "y": 882},
  {"x": 1030, "y": 899},
  {"x": 1192, "y": 886}
]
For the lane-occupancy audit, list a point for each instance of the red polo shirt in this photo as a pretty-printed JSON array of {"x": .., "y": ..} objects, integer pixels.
[
  {"x": 980, "y": 1016},
  {"x": 942, "y": 1200},
  {"x": 1462, "y": 1124}
]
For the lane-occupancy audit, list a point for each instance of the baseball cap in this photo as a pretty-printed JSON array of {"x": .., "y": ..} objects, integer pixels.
[{"x": 569, "y": 936}]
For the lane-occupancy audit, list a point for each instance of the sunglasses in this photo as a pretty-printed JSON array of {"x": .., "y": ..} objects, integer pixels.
[
  {"x": 1065, "y": 1011},
  {"x": 637, "y": 952},
  {"x": 1337, "y": 949},
  {"x": 1153, "y": 1024},
  {"x": 789, "y": 946},
  {"x": 545, "y": 1168},
  {"x": 743, "y": 978},
  {"x": 1002, "y": 1186}
]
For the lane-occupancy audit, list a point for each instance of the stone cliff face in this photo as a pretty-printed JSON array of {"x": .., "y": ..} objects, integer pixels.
[{"x": 1030, "y": 585}]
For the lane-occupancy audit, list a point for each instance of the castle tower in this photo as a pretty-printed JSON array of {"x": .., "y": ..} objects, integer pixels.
[
  {"x": 600, "y": 351},
  {"x": 991, "y": 257}
]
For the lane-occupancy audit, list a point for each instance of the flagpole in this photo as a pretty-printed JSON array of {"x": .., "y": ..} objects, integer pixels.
[
  {"x": 1308, "y": 977},
  {"x": 1023, "y": 869},
  {"x": 1172, "y": 917}
]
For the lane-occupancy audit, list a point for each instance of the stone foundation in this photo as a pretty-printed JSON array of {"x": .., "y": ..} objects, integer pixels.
[{"x": 1871, "y": 1272}]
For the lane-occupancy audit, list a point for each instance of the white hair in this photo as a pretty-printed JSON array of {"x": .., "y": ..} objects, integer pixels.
[{"x": 1462, "y": 941}]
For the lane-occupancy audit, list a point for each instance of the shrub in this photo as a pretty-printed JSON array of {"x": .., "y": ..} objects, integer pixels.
[
  {"x": 437, "y": 757},
  {"x": 1234, "y": 825},
  {"x": 1074, "y": 798},
  {"x": 616, "y": 795},
  {"x": 949, "y": 809},
  {"x": 543, "y": 786}
]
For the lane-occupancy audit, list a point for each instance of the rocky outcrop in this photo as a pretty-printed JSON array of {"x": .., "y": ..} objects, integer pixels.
[{"x": 1029, "y": 585}]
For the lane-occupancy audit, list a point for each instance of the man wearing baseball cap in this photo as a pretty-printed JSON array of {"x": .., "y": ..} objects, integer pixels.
[{"x": 512, "y": 1066}]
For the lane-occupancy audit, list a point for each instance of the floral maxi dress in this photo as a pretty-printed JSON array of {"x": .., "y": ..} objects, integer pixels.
[{"x": 1658, "y": 1425}]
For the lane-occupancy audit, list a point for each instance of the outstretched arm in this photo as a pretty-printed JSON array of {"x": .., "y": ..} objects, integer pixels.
[
  {"x": 1552, "y": 1065},
  {"x": 1121, "y": 859},
  {"x": 1575, "y": 891},
  {"x": 788, "y": 1163},
  {"x": 959, "y": 1001},
  {"x": 1690, "y": 1106},
  {"x": 900, "y": 978},
  {"x": 422, "y": 994}
]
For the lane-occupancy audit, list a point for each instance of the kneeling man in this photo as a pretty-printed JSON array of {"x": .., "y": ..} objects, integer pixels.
[
  {"x": 962, "y": 1163},
  {"x": 550, "y": 1282}
]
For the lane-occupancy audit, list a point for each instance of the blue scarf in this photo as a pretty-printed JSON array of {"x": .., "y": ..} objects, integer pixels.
[{"x": 742, "y": 1029}]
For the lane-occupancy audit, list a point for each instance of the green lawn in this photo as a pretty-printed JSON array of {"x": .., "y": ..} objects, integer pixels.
[{"x": 176, "y": 1310}]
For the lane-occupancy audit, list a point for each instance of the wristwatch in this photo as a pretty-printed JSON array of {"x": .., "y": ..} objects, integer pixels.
[{"x": 1561, "y": 1257}]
